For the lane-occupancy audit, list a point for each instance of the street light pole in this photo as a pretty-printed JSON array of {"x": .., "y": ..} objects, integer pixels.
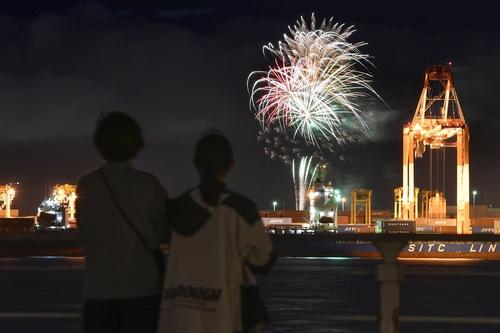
[
  {"x": 474, "y": 198},
  {"x": 274, "y": 205}
]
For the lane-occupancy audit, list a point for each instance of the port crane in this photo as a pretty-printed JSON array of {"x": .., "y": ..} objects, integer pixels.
[
  {"x": 7, "y": 194},
  {"x": 438, "y": 119}
]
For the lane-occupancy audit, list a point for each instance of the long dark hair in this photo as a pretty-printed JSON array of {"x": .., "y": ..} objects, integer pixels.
[{"x": 213, "y": 157}]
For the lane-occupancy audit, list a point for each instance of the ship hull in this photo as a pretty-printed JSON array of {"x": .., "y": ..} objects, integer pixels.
[
  {"x": 290, "y": 246},
  {"x": 68, "y": 244},
  {"x": 40, "y": 244}
]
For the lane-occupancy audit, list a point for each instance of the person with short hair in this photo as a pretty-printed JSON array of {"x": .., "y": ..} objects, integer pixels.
[
  {"x": 122, "y": 283},
  {"x": 218, "y": 243}
]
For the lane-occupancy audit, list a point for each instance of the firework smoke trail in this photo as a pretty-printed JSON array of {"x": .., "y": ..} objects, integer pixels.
[
  {"x": 302, "y": 181},
  {"x": 314, "y": 87},
  {"x": 280, "y": 146}
]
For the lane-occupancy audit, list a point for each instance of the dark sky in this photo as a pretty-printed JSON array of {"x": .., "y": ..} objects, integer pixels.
[{"x": 181, "y": 68}]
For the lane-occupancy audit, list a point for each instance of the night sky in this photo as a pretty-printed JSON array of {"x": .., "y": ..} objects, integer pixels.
[{"x": 181, "y": 68}]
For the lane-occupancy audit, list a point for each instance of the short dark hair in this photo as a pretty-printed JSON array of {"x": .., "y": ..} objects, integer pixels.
[{"x": 118, "y": 137}]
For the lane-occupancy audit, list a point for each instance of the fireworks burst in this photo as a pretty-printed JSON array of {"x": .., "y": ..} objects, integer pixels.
[
  {"x": 309, "y": 101},
  {"x": 314, "y": 88}
]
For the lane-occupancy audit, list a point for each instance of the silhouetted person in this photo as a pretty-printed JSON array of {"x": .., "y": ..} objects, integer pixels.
[
  {"x": 218, "y": 242},
  {"x": 122, "y": 283}
]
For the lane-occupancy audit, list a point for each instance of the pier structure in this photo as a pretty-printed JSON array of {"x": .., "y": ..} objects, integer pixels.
[{"x": 439, "y": 123}]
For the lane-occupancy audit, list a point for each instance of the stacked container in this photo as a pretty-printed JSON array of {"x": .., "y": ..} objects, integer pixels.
[{"x": 396, "y": 227}]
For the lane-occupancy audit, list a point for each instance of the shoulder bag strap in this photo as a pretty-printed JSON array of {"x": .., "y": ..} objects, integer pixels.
[
  {"x": 156, "y": 252},
  {"x": 122, "y": 212}
]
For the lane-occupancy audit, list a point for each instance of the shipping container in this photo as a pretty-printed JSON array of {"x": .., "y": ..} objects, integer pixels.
[
  {"x": 421, "y": 221},
  {"x": 365, "y": 230},
  {"x": 445, "y": 229},
  {"x": 374, "y": 213},
  {"x": 424, "y": 229},
  {"x": 482, "y": 230},
  {"x": 484, "y": 222},
  {"x": 442, "y": 222},
  {"x": 342, "y": 219},
  {"x": 17, "y": 221},
  {"x": 383, "y": 214},
  {"x": 396, "y": 223},
  {"x": 276, "y": 220},
  {"x": 351, "y": 228},
  {"x": 13, "y": 213},
  {"x": 398, "y": 231},
  {"x": 299, "y": 215},
  {"x": 359, "y": 220}
]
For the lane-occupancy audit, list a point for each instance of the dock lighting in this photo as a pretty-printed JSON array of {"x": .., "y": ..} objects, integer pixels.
[
  {"x": 343, "y": 203},
  {"x": 338, "y": 197},
  {"x": 474, "y": 197},
  {"x": 274, "y": 205},
  {"x": 9, "y": 195}
]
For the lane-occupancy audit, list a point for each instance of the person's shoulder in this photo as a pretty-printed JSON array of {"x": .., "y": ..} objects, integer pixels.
[
  {"x": 143, "y": 173},
  {"x": 187, "y": 216},
  {"x": 87, "y": 176},
  {"x": 245, "y": 207},
  {"x": 239, "y": 198},
  {"x": 146, "y": 176},
  {"x": 182, "y": 201}
]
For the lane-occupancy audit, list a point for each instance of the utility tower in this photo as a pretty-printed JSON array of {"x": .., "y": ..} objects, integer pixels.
[{"x": 438, "y": 118}]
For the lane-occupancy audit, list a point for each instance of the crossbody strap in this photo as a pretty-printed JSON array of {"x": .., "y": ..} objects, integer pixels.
[{"x": 122, "y": 212}]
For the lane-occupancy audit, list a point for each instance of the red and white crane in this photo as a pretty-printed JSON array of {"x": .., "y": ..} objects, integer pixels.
[{"x": 438, "y": 123}]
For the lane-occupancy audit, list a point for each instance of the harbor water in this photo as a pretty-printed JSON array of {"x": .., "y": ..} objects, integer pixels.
[{"x": 296, "y": 287}]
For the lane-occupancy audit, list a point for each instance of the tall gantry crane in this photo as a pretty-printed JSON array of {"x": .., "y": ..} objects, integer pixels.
[{"x": 437, "y": 121}]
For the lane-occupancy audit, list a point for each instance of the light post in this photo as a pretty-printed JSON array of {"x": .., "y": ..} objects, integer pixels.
[
  {"x": 274, "y": 205},
  {"x": 343, "y": 203},
  {"x": 474, "y": 198}
]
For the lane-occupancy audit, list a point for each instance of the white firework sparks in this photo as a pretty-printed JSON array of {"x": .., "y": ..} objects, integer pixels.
[
  {"x": 314, "y": 88},
  {"x": 302, "y": 181}
]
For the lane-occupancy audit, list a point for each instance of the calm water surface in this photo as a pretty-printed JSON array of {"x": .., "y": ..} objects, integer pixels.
[{"x": 317, "y": 286}]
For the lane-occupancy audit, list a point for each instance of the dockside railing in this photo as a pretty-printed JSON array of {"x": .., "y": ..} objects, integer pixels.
[{"x": 390, "y": 273}]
